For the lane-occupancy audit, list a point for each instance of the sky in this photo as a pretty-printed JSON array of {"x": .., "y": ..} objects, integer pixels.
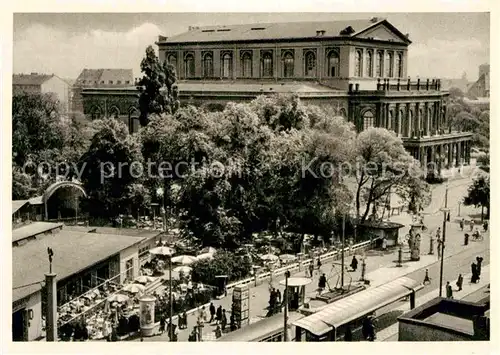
[{"x": 445, "y": 45}]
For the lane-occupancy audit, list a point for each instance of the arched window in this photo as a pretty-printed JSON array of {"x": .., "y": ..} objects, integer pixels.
[
  {"x": 288, "y": 63},
  {"x": 333, "y": 64},
  {"x": 399, "y": 65},
  {"x": 367, "y": 119},
  {"x": 172, "y": 59},
  {"x": 246, "y": 65},
  {"x": 369, "y": 64},
  {"x": 208, "y": 65},
  {"x": 267, "y": 65},
  {"x": 310, "y": 64},
  {"x": 342, "y": 113},
  {"x": 379, "y": 64},
  {"x": 227, "y": 65},
  {"x": 189, "y": 66},
  {"x": 113, "y": 112},
  {"x": 389, "y": 69},
  {"x": 358, "y": 68}
]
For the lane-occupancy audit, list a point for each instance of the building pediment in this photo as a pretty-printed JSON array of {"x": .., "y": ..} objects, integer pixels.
[{"x": 383, "y": 31}]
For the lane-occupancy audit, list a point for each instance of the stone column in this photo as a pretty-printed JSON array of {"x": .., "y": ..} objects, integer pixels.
[
  {"x": 51, "y": 316},
  {"x": 427, "y": 118},
  {"x": 398, "y": 121},
  {"x": 440, "y": 156},
  {"x": 449, "y": 163},
  {"x": 457, "y": 156},
  {"x": 409, "y": 123},
  {"x": 379, "y": 119},
  {"x": 468, "y": 152}
]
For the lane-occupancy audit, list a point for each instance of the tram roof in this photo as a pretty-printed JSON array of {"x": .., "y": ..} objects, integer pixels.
[
  {"x": 357, "y": 305},
  {"x": 260, "y": 329}
]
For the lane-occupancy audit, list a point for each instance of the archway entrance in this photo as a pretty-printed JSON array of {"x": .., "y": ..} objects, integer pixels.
[{"x": 62, "y": 200}]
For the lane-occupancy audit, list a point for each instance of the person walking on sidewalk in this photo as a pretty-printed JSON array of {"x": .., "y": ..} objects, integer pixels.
[
  {"x": 485, "y": 226},
  {"x": 471, "y": 225},
  {"x": 474, "y": 277},
  {"x": 311, "y": 269},
  {"x": 460, "y": 281},
  {"x": 354, "y": 263},
  {"x": 439, "y": 247},
  {"x": 449, "y": 290},
  {"x": 384, "y": 244},
  {"x": 321, "y": 284},
  {"x": 212, "y": 312},
  {"x": 319, "y": 265},
  {"x": 462, "y": 223},
  {"x": 479, "y": 263},
  {"x": 223, "y": 321},
  {"x": 218, "y": 317},
  {"x": 427, "y": 279}
]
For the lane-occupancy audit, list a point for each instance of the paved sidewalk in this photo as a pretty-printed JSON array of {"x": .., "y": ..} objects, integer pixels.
[{"x": 467, "y": 289}]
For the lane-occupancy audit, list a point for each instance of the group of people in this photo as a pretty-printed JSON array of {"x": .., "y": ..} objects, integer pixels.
[
  {"x": 476, "y": 275},
  {"x": 311, "y": 267}
]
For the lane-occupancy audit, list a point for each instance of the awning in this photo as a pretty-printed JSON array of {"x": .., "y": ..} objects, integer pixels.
[{"x": 357, "y": 306}]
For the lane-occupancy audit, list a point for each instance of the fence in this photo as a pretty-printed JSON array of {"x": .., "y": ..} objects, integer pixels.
[{"x": 302, "y": 264}]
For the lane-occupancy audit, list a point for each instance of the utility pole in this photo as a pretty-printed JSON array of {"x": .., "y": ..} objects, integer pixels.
[
  {"x": 285, "y": 313},
  {"x": 342, "y": 252},
  {"x": 445, "y": 212}
]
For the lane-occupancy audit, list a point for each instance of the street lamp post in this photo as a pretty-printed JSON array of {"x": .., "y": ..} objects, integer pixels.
[
  {"x": 342, "y": 252},
  {"x": 443, "y": 240},
  {"x": 285, "y": 320},
  {"x": 171, "y": 330}
]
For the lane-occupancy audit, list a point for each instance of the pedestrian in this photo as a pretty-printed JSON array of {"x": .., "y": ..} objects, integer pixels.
[
  {"x": 438, "y": 233},
  {"x": 218, "y": 316},
  {"x": 466, "y": 239},
  {"x": 319, "y": 264},
  {"x": 311, "y": 270},
  {"x": 218, "y": 332},
  {"x": 384, "y": 244},
  {"x": 278, "y": 295},
  {"x": 321, "y": 283},
  {"x": 202, "y": 315},
  {"x": 449, "y": 290},
  {"x": 193, "y": 335},
  {"x": 474, "y": 277},
  {"x": 162, "y": 324},
  {"x": 460, "y": 281},
  {"x": 439, "y": 247},
  {"x": 479, "y": 263},
  {"x": 185, "y": 320},
  {"x": 427, "y": 279},
  {"x": 224, "y": 320},
  {"x": 212, "y": 312},
  {"x": 485, "y": 226},
  {"x": 471, "y": 225},
  {"x": 462, "y": 222},
  {"x": 354, "y": 263},
  {"x": 232, "y": 323}
]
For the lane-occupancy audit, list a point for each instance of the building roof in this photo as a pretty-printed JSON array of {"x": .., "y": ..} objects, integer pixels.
[
  {"x": 73, "y": 252},
  {"x": 30, "y": 79},
  {"x": 17, "y": 204},
  {"x": 96, "y": 76},
  {"x": 274, "y": 31},
  {"x": 131, "y": 232},
  {"x": 276, "y": 87},
  {"x": 37, "y": 200},
  {"x": 32, "y": 229}
]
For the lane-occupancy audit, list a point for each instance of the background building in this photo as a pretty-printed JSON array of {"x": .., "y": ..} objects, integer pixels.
[
  {"x": 99, "y": 78},
  {"x": 35, "y": 83},
  {"x": 358, "y": 67},
  {"x": 481, "y": 88}
]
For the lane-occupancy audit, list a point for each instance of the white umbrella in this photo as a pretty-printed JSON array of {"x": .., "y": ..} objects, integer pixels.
[
  {"x": 184, "y": 259},
  {"x": 269, "y": 257},
  {"x": 205, "y": 256},
  {"x": 209, "y": 250},
  {"x": 162, "y": 251},
  {"x": 134, "y": 288},
  {"x": 118, "y": 297},
  {"x": 184, "y": 269},
  {"x": 287, "y": 257},
  {"x": 143, "y": 279}
]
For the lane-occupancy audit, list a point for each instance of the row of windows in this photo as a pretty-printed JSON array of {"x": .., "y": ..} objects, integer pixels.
[
  {"x": 111, "y": 82},
  {"x": 392, "y": 67},
  {"x": 267, "y": 65}
]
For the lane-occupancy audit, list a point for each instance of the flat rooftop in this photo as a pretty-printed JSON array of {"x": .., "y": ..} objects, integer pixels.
[
  {"x": 451, "y": 322},
  {"x": 132, "y": 232},
  {"x": 33, "y": 229},
  {"x": 73, "y": 252}
]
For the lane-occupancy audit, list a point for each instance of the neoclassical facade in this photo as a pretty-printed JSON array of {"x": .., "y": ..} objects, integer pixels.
[{"x": 357, "y": 67}]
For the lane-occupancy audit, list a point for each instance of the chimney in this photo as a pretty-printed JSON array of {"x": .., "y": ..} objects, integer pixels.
[
  {"x": 162, "y": 38},
  {"x": 357, "y": 87},
  {"x": 374, "y": 19},
  {"x": 318, "y": 33},
  {"x": 350, "y": 87},
  {"x": 323, "y": 32}
]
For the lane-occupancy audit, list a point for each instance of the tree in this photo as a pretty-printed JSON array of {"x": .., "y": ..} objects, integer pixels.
[
  {"x": 110, "y": 168},
  {"x": 21, "y": 184},
  {"x": 36, "y": 126},
  {"x": 382, "y": 165},
  {"x": 158, "y": 89},
  {"x": 479, "y": 195}
]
